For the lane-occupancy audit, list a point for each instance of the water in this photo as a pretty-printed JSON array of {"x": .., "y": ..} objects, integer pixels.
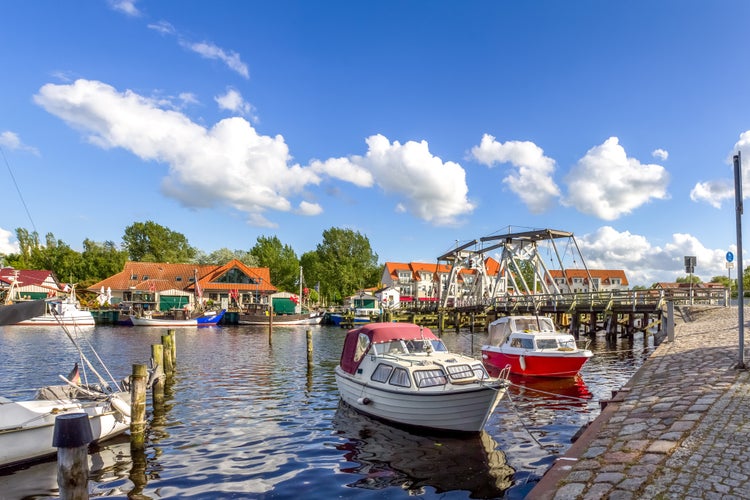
[{"x": 245, "y": 419}]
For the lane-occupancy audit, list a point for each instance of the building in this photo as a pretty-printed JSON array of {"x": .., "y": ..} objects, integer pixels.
[
  {"x": 164, "y": 286},
  {"x": 31, "y": 284},
  {"x": 577, "y": 280}
]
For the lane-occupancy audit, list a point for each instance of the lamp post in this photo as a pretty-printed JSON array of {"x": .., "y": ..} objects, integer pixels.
[{"x": 740, "y": 291}]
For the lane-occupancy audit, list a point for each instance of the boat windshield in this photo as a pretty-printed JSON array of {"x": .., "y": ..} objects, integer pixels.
[
  {"x": 414, "y": 346},
  {"x": 568, "y": 343},
  {"x": 546, "y": 343}
]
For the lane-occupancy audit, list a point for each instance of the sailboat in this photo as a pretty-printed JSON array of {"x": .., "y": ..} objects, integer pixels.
[{"x": 301, "y": 315}]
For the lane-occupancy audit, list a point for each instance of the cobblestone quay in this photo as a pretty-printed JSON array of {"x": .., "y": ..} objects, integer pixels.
[{"x": 680, "y": 428}]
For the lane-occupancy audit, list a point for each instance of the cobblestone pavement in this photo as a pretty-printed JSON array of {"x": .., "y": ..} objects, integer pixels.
[{"x": 680, "y": 428}]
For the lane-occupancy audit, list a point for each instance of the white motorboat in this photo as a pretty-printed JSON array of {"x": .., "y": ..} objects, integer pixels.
[
  {"x": 59, "y": 311},
  {"x": 531, "y": 346},
  {"x": 403, "y": 373},
  {"x": 27, "y": 427},
  {"x": 210, "y": 318}
]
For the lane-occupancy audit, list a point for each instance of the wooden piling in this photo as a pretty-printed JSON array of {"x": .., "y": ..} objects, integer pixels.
[
  {"x": 173, "y": 336},
  {"x": 157, "y": 390},
  {"x": 71, "y": 437},
  {"x": 270, "y": 323},
  {"x": 309, "y": 348},
  {"x": 166, "y": 341},
  {"x": 138, "y": 382}
]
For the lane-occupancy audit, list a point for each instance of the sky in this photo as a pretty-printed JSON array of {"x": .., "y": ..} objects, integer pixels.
[{"x": 422, "y": 125}]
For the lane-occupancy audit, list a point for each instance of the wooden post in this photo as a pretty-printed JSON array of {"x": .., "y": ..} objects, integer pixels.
[
  {"x": 138, "y": 406},
  {"x": 166, "y": 341},
  {"x": 71, "y": 437},
  {"x": 173, "y": 336},
  {"x": 309, "y": 347},
  {"x": 157, "y": 391},
  {"x": 270, "y": 322}
]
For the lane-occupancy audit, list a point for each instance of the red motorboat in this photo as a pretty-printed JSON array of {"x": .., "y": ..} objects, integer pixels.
[{"x": 532, "y": 346}]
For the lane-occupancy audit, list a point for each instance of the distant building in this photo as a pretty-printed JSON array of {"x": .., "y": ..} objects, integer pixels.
[
  {"x": 577, "y": 280},
  {"x": 164, "y": 286}
]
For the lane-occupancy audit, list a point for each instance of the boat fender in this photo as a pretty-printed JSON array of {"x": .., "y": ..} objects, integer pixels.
[
  {"x": 121, "y": 406},
  {"x": 522, "y": 362},
  {"x": 364, "y": 401}
]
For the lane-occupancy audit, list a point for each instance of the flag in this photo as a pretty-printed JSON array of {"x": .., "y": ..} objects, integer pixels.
[
  {"x": 198, "y": 291},
  {"x": 75, "y": 375}
]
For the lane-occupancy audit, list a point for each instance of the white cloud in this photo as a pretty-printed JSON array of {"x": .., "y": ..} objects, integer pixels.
[
  {"x": 211, "y": 51},
  {"x": 532, "y": 181},
  {"x": 645, "y": 264},
  {"x": 713, "y": 192},
  {"x": 428, "y": 188},
  {"x": 163, "y": 27},
  {"x": 660, "y": 154},
  {"x": 233, "y": 101},
  {"x": 126, "y": 7},
  {"x": 307, "y": 208},
  {"x": 6, "y": 245},
  {"x": 12, "y": 141},
  {"x": 229, "y": 163},
  {"x": 607, "y": 184}
]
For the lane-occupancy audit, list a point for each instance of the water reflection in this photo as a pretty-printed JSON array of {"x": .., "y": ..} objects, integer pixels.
[{"x": 385, "y": 456}]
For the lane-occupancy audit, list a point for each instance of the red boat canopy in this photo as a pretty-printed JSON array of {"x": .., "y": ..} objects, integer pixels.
[{"x": 376, "y": 333}]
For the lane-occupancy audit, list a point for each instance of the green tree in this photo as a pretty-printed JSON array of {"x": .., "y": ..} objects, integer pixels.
[
  {"x": 688, "y": 279},
  {"x": 344, "y": 263},
  {"x": 281, "y": 260},
  {"x": 223, "y": 255},
  {"x": 151, "y": 242},
  {"x": 100, "y": 261}
]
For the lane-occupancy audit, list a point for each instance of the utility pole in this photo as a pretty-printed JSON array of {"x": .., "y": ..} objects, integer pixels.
[{"x": 740, "y": 273}]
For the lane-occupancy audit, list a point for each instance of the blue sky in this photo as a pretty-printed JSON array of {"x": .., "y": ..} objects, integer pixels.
[{"x": 419, "y": 124}]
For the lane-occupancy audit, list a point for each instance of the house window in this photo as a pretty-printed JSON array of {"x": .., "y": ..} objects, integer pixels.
[
  {"x": 615, "y": 281},
  {"x": 178, "y": 278},
  {"x": 145, "y": 277},
  {"x": 235, "y": 276},
  {"x": 133, "y": 276}
]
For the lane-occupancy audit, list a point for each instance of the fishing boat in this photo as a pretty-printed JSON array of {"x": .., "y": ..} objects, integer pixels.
[
  {"x": 531, "y": 346},
  {"x": 210, "y": 318},
  {"x": 404, "y": 374},
  {"x": 354, "y": 317},
  {"x": 256, "y": 317},
  {"x": 27, "y": 427}
]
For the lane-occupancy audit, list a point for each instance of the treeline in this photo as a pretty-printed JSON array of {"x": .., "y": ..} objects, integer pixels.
[{"x": 342, "y": 263}]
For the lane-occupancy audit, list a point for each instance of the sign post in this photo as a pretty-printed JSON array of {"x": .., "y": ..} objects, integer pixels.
[
  {"x": 740, "y": 291},
  {"x": 730, "y": 265}
]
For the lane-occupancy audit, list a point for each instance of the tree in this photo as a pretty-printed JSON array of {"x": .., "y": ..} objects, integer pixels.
[
  {"x": 689, "y": 279},
  {"x": 344, "y": 263},
  {"x": 100, "y": 261},
  {"x": 281, "y": 260},
  {"x": 151, "y": 242},
  {"x": 223, "y": 255}
]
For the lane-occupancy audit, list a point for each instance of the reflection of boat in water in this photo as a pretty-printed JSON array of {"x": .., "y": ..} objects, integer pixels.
[
  {"x": 386, "y": 456},
  {"x": 548, "y": 391},
  {"x": 108, "y": 462}
]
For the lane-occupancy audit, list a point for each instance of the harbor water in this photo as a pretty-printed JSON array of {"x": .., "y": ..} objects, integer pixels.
[{"x": 245, "y": 418}]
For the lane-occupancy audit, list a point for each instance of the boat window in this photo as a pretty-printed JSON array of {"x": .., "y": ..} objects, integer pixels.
[
  {"x": 438, "y": 345},
  {"x": 568, "y": 343},
  {"x": 480, "y": 372},
  {"x": 546, "y": 343},
  {"x": 459, "y": 372},
  {"x": 418, "y": 346},
  {"x": 381, "y": 373},
  {"x": 522, "y": 343},
  {"x": 430, "y": 378},
  {"x": 363, "y": 342},
  {"x": 400, "y": 378}
]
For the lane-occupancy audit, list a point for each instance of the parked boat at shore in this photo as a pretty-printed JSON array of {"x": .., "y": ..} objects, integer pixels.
[
  {"x": 304, "y": 318},
  {"x": 403, "y": 373},
  {"x": 210, "y": 318},
  {"x": 532, "y": 346},
  {"x": 27, "y": 427},
  {"x": 57, "y": 310}
]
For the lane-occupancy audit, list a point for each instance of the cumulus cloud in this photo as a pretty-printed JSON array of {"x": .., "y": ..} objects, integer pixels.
[
  {"x": 7, "y": 246},
  {"x": 645, "y": 264},
  {"x": 606, "y": 183},
  {"x": 233, "y": 101},
  {"x": 229, "y": 163},
  {"x": 11, "y": 140},
  {"x": 211, "y": 51},
  {"x": 532, "y": 180},
  {"x": 660, "y": 154},
  {"x": 426, "y": 186},
  {"x": 163, "y": 27},
  {"x": 714, "y": 192},
  {"x": 126, "y": 7}
]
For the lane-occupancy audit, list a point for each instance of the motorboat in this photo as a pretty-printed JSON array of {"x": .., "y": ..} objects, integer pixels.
[
  {"x": 27, "y": 427},
  {"x": 354, "y": 317},
  {"x": 57, "y": 311},
  {"x": 404, "y": 374},
  {"x": 210, "y": 318},
  {"x": 531, "y": 346},
  {"x": 262, "y": 318}
]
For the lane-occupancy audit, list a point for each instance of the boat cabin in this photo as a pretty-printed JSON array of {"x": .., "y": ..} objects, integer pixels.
[{"x": 529, "y": 332}]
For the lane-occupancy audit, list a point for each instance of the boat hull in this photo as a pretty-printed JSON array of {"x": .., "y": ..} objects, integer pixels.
[
  {"x": 84, "y": 318},
  {"x": 211, "y": 320},
  {"x": 27, "y": 427},
  {"x": 463, "y": 411},
  {"x": 280, "y": 320},
  {"x": 535, "y": 364}
]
